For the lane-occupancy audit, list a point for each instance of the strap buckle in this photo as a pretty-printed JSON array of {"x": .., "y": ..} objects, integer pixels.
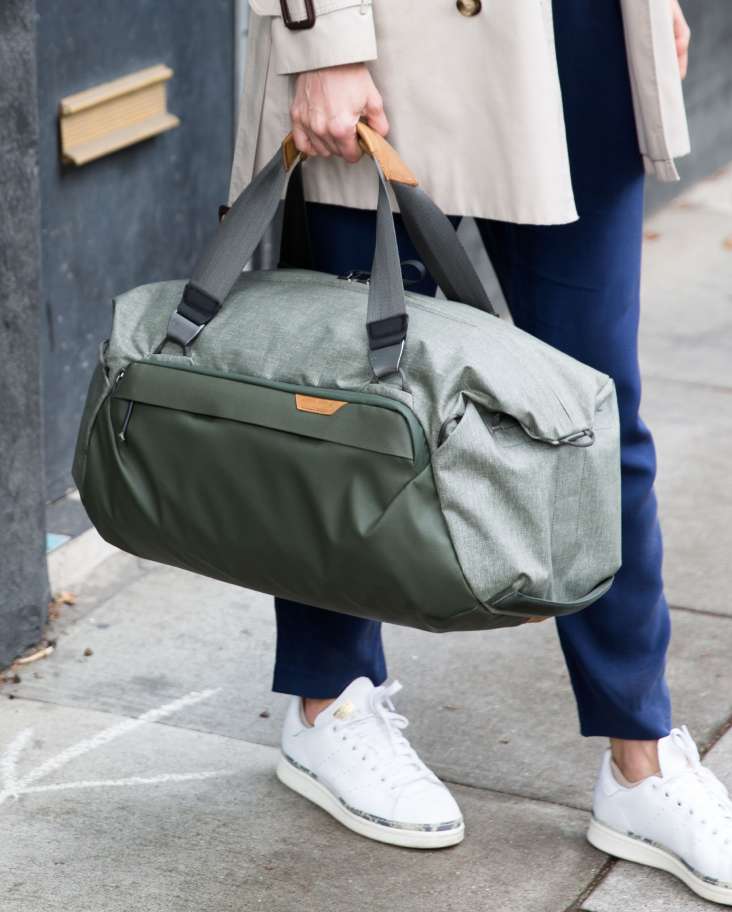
[
  {"x": 387, "y": 338},
  {"x": 181, "y": 330},
  {"x": 387, "y": 331},
  {"x": 297, "y": 24},
  {"x": 195, "y": 311}
]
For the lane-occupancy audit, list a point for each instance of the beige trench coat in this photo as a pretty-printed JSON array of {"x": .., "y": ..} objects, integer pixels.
[{"x": 474, "y": 102}]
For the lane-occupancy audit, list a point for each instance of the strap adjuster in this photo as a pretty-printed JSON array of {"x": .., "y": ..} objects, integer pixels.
[
  {"x": 182, "y": 330},
  {"x": 387, "y": 331},
  {"x": 386, "y": 344},
  {"x": 298, "y": 24},
  {"x": 197, "y": 305},
  {"x": 189, "y": 319}
]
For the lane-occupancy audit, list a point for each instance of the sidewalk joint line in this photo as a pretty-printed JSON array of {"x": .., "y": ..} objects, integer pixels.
[
  {"x": 711, "y": 387},
  {"x": 606, "y": 868},
  {"x": 716, "y": 737},
  {"x": 518, "y": 795},
  {"x": 121, "y": 714},
  {"x": 705, "y": 612}
]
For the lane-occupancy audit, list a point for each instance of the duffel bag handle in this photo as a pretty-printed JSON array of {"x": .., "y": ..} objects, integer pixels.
[
  {"x": 238, "y": 235},
  {"x": 430, "y": 230},
  {"x": 391, "y": 164}
]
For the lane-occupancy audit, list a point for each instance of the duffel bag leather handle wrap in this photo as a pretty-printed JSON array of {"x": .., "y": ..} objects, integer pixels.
[
  {"x": 290, "y": 152},
  {"x": 373, "y": 144},
  {"x": 395, "y": 171}
]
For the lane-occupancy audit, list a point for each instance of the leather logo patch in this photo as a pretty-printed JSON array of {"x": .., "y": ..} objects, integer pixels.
[{"x": 317, "y": 405}]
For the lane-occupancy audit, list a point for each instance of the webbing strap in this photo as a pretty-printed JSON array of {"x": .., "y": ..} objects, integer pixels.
[{"x": 238, "y": 235}]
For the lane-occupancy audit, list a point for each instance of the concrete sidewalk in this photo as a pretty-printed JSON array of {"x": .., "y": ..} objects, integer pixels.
[{"x": 136, "y": 762}]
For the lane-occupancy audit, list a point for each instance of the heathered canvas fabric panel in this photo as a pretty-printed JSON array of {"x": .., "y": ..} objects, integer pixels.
[
  {"x": 525, "y": 512},
  {"x": 309, "y": 328},
  {"x": 517, "y": 503}
]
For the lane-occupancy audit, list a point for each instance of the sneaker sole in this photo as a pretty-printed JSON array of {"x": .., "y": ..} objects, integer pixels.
[
  {"x": 633, "y": 848},
  {"x": 304, "y": 784}
]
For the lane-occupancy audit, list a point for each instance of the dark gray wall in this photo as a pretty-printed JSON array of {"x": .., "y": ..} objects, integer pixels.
[
  {"x": 708, "y": 94},
  {"x": 138, "y": 215},
  {"x": 23, "y": 581}
]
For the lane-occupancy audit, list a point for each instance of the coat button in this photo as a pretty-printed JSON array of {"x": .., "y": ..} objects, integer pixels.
[{"x": 468, "y": 7}]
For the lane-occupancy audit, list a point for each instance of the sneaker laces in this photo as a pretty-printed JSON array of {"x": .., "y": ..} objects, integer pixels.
[
  {"x": 379, "y": 734},
  {"x": 715, "y": 802}
]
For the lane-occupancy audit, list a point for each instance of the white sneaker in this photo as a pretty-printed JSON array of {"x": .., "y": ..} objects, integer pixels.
[
  {"x": 356, "y": 764},
  {"x": 679, "y": 821}
]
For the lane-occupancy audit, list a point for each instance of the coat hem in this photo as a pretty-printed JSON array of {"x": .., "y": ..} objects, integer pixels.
[
  {"x": 664, "y": 170},
  {"x": 463, "y": 208}
]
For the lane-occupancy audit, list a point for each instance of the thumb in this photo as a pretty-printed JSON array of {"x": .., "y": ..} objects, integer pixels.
[{"x": 373, "y": 113}]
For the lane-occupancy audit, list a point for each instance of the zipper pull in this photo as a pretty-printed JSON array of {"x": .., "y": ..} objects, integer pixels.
[
  {"x": 128, "y": 414},
  {"x": 122, "y": 434},
  {"x": 356, "y": 275}
]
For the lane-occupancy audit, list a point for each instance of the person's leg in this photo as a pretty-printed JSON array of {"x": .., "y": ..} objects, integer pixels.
[
  {"x": 577, "y": 287},
  {"x": 320, "y": 652},
  {"x": 345, "y": 749}
]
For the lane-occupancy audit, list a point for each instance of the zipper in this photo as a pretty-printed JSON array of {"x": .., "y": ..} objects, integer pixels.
[
  {"x": 122, "y": 434},
  {"x": 128, "y": 414},
  {"x": 356, "y": 275},
  {"x": 420, "y": 449}
]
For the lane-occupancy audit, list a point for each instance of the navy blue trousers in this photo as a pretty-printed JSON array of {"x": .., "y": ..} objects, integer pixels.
[{"x": 576, "y": 287}]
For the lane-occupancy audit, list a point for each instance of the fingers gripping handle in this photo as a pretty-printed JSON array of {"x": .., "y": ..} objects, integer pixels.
[{"x": 392, "y": 166}]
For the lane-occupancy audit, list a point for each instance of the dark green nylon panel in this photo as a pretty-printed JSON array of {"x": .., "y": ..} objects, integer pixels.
[
  {"x": 98, "y": 390},
  {"x": 378, "y": 429},
  {"x": 334, "y": 525}
]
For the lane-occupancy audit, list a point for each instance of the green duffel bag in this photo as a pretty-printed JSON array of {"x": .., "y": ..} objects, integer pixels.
[{"x": 283, "y": 431}]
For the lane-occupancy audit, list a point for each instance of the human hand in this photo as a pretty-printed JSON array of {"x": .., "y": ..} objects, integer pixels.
[
  {"x": 328, "y": 104},
  {"x": 682, "y": 35}
]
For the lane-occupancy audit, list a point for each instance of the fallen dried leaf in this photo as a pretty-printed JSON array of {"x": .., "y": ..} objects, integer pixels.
[
  {"x": 727, "y": 243},
  {"x": 34, "y": 656},
  {"x": 264, "y": 714},
  {"x": 59, "y": 599},
  {"x": 88, "y": 652},
  {"x": 651, "y": 235}
]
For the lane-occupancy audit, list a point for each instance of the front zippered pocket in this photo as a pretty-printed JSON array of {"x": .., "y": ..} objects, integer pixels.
[
  {"x": 366, "y": 420},
  {"x": 280, "y": 488}
]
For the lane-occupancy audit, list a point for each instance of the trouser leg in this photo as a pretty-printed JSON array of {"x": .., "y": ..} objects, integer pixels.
[
  {"x": 320, "y": 652},
  {"x": 577, "y": 287},
  {"x": 587, "y": 306}
]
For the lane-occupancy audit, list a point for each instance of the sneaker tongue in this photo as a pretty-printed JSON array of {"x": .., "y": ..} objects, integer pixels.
[
  {"x": 671, "y": 757},
  {"x": 352, "y": 703}
]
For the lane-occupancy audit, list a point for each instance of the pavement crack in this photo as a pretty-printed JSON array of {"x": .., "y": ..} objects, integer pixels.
[
  {"x": 124, "y": 714},
  {"x": 699, "y": 384},
  {"x": 716, "y": 737},
  {"x": 607, "y": 867},
  {"x": 519, "y": 795},
  {"x": 703, "y": 611}
]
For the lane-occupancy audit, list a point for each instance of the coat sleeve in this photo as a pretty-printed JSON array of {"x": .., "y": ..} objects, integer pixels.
[{"x": 343, "y": 33}]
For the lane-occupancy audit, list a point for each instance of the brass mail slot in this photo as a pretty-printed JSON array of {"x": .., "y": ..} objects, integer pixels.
[{"x": 114, "y": 115}]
